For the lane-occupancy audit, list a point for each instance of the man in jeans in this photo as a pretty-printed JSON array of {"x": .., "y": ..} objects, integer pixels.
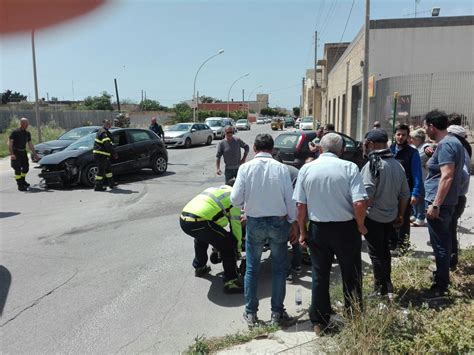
[
  {"x": 263, "y": 186},
  {"x": 387, "y": 187},
  {"x": 230, "y": 149},
  {"x": 330, "y": 191},
  {"x": 442, "y": 187}
]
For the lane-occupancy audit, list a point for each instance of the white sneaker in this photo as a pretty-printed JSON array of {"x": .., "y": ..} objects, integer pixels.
[
  {"x": 412, "y": 219},
  {"x": 419, "y": 223}
]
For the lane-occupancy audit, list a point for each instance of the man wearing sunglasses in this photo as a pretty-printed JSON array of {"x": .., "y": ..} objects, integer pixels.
[{"x": 229, "y": 148}]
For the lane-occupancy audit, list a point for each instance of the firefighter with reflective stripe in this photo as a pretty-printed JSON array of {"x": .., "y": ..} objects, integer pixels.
[
  {"x": 17, "y": 142},
  {"x": 204, "y": 219},
  {"x": 103, "y": 152}
]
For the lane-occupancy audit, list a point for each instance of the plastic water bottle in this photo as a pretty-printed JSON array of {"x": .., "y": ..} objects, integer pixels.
[{"x": 298, "y": 299}]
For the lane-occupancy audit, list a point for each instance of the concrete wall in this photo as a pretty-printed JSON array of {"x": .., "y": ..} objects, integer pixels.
[{"x": 404, "y": 49}]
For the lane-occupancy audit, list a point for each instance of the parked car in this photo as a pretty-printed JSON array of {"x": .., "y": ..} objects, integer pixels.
[
  {"x": 292, "y": 148},
  {"x": 277, "y": 123},
  {"x": 243, "y": 124},
  {"x": 268, "y": 120},
  {"x": 63, "y": 141},
  {"x": 188, "y": 134},
  {"x": 261, "y": 120},
  {"x": 297, "y": 122},
  {"x": 217, "y": 126},
  {"x": 136, "y": 149},
  {"x": 289, "y": 122},
  {"x": 306, "y": 123}
]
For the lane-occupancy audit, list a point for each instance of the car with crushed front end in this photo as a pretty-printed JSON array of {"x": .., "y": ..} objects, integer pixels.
[
  {"x": 63, "y": 141},
  {"x": 188, "y": 134},
  {"x": 136, "y": 149}
]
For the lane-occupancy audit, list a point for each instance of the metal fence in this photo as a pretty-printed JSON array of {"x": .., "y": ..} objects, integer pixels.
[{"x": 450, "y": 92}]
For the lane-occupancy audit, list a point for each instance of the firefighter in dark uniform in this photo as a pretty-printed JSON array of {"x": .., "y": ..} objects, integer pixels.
[
  {"x": 103, "y": 152},
  {"x": 17, "y": 142}
]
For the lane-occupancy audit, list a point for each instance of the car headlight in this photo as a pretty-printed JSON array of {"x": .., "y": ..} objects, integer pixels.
[{"x": 180, "y": 136}]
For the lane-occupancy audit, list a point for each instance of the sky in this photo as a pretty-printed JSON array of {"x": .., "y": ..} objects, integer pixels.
[{"x": 157, "y": 46}]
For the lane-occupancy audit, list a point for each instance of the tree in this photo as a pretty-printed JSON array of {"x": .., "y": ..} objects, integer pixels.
[
  {"x": 296, "y": 111},
  {"x": 183, "y": 112},
  {"x": 9, "y": 96},
  {"x": 150, "y": 105},
  {"x": 99, "y": 102}
]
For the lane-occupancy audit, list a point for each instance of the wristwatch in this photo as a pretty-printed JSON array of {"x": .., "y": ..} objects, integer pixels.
[{"x": 435, "y": 207}]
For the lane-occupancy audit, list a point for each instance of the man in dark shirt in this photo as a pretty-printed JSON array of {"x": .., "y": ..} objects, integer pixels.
[
  {"x": 156, "y": 127},
  {"x": 17, "y": 142},
  {"x": 409, "y": 158}
]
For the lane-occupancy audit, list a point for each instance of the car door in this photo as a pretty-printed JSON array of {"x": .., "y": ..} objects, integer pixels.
[
  {"x": 352, "y": 151},
  {"x": 196, "y": 134},
  {"x": 124, "y": 151},
  {"x": 142, "y": 147}
]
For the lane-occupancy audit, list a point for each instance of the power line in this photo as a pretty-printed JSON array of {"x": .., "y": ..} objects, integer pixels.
[
  {"x": 345, "y": 27},
  {"x": 328, "y": 16}
]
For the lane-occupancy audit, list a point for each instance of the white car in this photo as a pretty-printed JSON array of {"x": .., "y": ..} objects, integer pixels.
[
  {"x": 261, "y": 120},
  {"x": 217, "y": 125},
  {"x": 188, "y": 134},
  {"x": 243, "y": 124},
  {"x": 306, "y": 123}
]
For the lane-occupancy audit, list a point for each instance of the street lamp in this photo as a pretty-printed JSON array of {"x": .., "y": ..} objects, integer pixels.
[
  {"x": 228, "y": 94},
  {"x": 195, "y": 77},
  {"x": 248, "y": 98}
]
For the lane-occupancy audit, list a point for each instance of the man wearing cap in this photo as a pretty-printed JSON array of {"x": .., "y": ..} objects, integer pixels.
[
  {"x": 443, "y": 186},
  {"x": 387, "y": 188}
]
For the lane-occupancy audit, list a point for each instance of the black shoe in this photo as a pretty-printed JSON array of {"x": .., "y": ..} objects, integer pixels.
[
  {"x": 434, "y": 293},
  {"x": 112, "y": 184},
  {"x": 233, "y": 287},
  {"x": 99, "y": 188},
  {"x": 26, "y": 184},
  {"x": 22, "y": 188},
  {"x": 278, "y": 319},
  {"x": 202, "y": 271}
]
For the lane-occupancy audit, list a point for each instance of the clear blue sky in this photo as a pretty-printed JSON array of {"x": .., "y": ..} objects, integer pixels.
[{"x": 158, "y": 45}]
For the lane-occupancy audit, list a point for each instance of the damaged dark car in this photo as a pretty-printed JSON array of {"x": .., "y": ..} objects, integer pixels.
[{"x": 136, "y": 149}]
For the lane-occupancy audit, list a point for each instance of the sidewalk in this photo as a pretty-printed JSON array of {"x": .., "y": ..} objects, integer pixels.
[{"x": 300, "y": 338}]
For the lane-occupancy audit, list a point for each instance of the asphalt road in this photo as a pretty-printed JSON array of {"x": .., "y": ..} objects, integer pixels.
[
  {"x": 110, "y": 272},
  {"x": 83, "y": 271}
]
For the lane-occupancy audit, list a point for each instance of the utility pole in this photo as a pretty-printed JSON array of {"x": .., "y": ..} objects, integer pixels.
[
  {"x": 117, "y": 94},
  {"x": 302, "y": 98},
  {"x": 196, "y": 110},
  {"x": 364, "y": 124},
  {"x": 37, "y": 114},
  {"x": 243, "y": 95},
  {"x": 315, "y": 70}
]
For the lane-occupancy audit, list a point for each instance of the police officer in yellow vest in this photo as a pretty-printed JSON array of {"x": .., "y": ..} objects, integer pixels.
[
  {"x": 103, "y": 152},
  {"x": 203, "y": 218}
]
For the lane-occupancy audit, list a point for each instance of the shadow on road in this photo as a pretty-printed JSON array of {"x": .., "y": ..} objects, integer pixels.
[
  {"x": 119, "y": 191},
  {"x": 5, "y": 282},
  {"x": 8, "y": 214}
]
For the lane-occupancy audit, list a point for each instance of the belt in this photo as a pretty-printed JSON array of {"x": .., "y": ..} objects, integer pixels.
[{"x": 192, "y": 219}]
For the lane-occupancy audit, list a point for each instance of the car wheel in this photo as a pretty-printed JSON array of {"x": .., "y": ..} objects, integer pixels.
[
  {"x": 209, "y": 140},
  {"x": 159, "y": 165},
  {"x": 187, "y": 143},
  {"x": 88, "y": 174}
]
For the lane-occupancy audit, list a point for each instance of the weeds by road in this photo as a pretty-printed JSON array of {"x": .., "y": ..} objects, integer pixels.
[
  {"x": 48, "y": 132},
  {"x": 407, "y": 325}
]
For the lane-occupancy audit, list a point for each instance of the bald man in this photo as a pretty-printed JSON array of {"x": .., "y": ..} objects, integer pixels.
[{"x": 17, "y": 142}]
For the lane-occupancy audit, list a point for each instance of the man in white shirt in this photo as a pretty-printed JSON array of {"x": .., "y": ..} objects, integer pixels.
[{"x": 264, "y": 188}]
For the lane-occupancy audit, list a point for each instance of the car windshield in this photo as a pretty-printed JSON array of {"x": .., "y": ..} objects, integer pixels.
[
  {"x": 286, "y": 140},
  {"x": 242, "y": 121},
  {"x": 182, "y": 127},
  {"x": 215, "y": 123},
  {"x": 84, "y": 143},
  {"x": 307, "y": 119},
  {"x": 76, "y": 133}
]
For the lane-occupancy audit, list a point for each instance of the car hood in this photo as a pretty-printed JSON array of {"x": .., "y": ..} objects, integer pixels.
[
  {"x": 58, "y": 157},
  {"x": 241, "y": 124},
  {"x": 173, "y": 134},
  {"x": 214, "y": 129},
  {"x": 56, "y": 144}
]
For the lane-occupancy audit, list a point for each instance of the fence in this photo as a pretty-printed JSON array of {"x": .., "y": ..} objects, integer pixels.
[
  {"x": 71, "y": 119},
  {"x": 450, "y": 92}
]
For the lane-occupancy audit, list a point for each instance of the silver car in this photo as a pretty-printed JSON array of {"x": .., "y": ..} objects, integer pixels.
[
  {"x": 243, "y": 124},
  {"x": 187, "y": 134}
]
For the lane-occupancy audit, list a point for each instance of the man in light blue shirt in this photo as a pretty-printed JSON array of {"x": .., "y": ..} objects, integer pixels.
[
  {"x": 330, "y": 192},
  {"x": 264, "y": 188}
]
